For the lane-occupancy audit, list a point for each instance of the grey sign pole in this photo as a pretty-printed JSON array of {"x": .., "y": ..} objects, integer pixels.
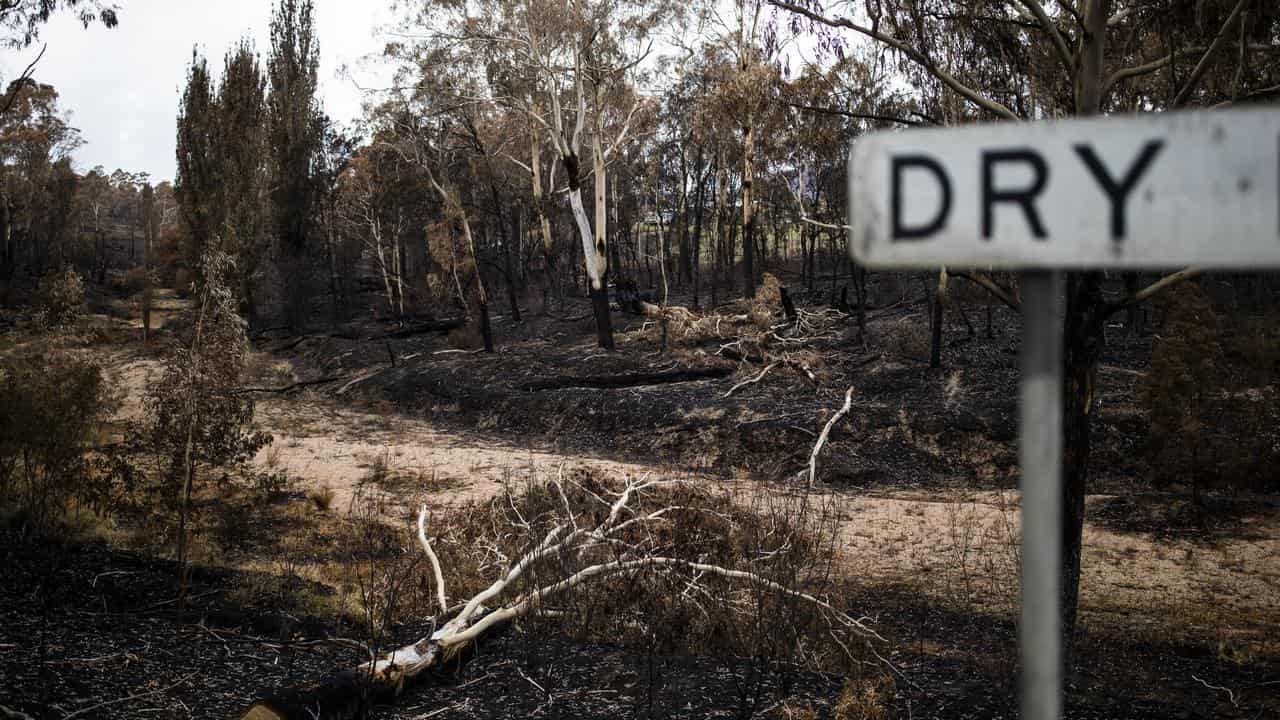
[
  {"x": 1040, "y": 455},
  {"x": 1041, "y": 197}
]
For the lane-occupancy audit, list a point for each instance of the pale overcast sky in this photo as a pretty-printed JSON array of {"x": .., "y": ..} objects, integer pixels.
[{"x": 122, "y": 86}]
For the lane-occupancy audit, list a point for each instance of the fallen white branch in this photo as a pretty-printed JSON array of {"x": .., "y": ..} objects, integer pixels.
[
  {"x": 591, "y": 546},
  {"x": 431, "y": 555},
  {"x": 826, "y": 431},
  {"x": 1230, "y": 695},
  {"x": 751, "y": 381}
]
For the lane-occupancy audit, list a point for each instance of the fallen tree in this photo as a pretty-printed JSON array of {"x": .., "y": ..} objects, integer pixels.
[
  {"x": 422, "y": 328},
  {"x": 590, "y": 540},
  {"x": 626, "y": 380}
]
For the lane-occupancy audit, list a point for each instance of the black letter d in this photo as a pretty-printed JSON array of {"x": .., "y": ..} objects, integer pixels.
[{"x": 919, "y": 232}]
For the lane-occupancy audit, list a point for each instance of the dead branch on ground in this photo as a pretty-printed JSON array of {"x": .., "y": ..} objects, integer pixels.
[
  {"x": 610, "y": 535},
  {"x": 826, "y": 431}
]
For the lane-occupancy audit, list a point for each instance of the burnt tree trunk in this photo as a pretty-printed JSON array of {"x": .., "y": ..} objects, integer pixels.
[
  {"x": 748, "y": 212},
  {"x": 486, "y": 331},
  {"x": 697, "y": 234},
  {"x": 788, "y": 306},
  {"x": 600, "y": 308},
  {"x": 1082, "y": 346},
  {"x": 936, "y": 296}
]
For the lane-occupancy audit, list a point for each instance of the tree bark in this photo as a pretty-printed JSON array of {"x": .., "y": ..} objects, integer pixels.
[
  {"x": 1082, "y": 346},
  {"x": 604, "y": 321},
  {"x": 486, "y": 331},
  {"x": 748, "y": 212},
  {"x": 788, "y": 307},
  {"x": 512, "y": 295},
  {"x": 1133, "y": 313},
  {"x": 935, "y": 321},
  {"x": 346, "y": 694},
  {"x": 697, "y": 231}
]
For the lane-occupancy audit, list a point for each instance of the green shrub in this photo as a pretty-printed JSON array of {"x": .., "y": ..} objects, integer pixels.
[
  {"x": 197, "y": 417},
  {"x": 61, "y": 299},
  {"x": 55, "y": 406}
]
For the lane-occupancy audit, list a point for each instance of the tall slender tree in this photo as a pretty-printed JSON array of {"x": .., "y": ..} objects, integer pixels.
[
  {"x": 294, "y": 123},
  {"x": 198, "y": 184},
  {"x": 241, "y": 142}
]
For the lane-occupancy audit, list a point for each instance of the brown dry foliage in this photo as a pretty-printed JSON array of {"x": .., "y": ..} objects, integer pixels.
[{"x": 787, "y": 538}]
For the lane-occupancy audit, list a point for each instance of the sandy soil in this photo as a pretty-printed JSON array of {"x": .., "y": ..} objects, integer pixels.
[
  {"x": 354, "y": 450},
  {"x": 958, "y": 546},
  {"x": 341, "y": 448}
]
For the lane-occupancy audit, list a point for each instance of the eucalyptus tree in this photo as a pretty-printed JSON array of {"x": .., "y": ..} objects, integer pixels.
[
  {"x": 438, "y": 129},
  {"x": 21, "y": 20},
  {"x": 374, "y": 206},
  {"x": 751, "y": 42},
  {"x": 1020, "y": 60},
  {"x": 570, "y": 74},
  {"x": 34, "y": 136},
  {"x": 20, "y": 23}
]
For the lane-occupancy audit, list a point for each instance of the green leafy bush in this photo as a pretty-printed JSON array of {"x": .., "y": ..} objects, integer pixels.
[
  {"x": 55, "y": 406},
  {"x": 197, "y": 416},
  {"x": 60, "y": 299}
]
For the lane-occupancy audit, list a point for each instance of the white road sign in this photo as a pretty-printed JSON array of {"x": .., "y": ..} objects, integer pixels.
[{"x": 1139, "y": 191}]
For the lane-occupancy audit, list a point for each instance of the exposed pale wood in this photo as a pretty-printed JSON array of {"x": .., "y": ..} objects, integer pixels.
[
  {"x": 826, "y": 432},
  {"x": 1153, "y": 289},
  {"x": 346, "y": 694},
  {"x": 753, "y": 380}
]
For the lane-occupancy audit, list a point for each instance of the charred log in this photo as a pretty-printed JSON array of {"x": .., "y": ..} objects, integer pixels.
[{"x": 626, "y": 380}]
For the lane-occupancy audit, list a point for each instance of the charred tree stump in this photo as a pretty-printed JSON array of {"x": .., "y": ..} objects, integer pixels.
[
  {"x": 604, "y": 323},
  {"x": 788, "y": 306}
]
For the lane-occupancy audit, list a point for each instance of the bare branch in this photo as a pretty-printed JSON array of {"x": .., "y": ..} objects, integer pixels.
[
  {"x": 21, "y": 82},
  {"x": 431, "y": 555},
  {"x": 991, "y": 286},
  {"x": 915, "y": 55},
  {"x": 626, "y": 125},
  {"x": 1252, "y": 95},
  {"x": 753, "y": 380},
  {"x": 1205, "y": 60},
  {"x": 858, "y": 115},
  {"x": 138, "y": 696},
  {"x": 1153, "y": 289},
  {"x": 1051, "y": 29}
]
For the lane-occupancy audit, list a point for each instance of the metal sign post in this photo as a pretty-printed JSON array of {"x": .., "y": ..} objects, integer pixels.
[
  {"x": 1040, "y": 456},
  {"x": 1137, "y": 192}
]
